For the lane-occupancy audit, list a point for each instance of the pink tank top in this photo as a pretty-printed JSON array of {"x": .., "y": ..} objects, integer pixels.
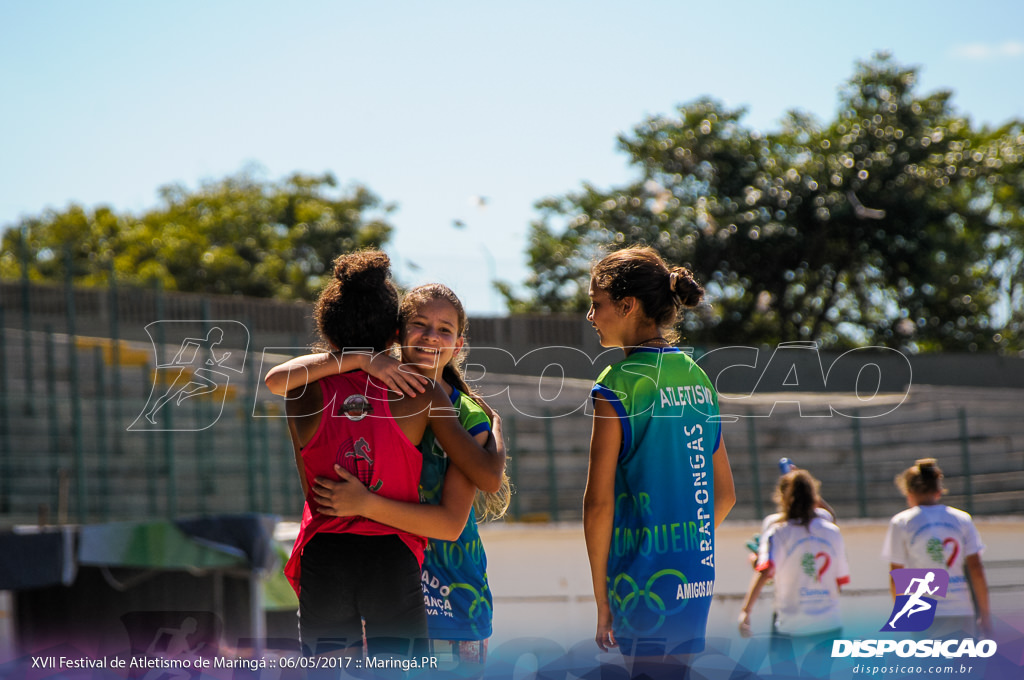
[{"x": 358, "y": 432}]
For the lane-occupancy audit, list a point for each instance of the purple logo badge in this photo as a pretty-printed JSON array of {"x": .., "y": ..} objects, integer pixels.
[{"x": 914, "y": 610}]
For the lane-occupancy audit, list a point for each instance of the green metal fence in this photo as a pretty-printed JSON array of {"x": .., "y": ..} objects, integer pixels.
[
  {"x": 68, "y": 452},
  {"x": 981, "y": 451}
]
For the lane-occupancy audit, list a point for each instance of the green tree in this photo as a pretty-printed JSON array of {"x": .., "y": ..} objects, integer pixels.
[
  {"x": 238, "y": 235},
  {"x": 895, "y": 224}
]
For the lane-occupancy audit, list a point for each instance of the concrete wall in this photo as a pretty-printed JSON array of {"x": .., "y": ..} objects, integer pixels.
[
  {"x": 540, "y": 577},
  {"x": 523, "y": 345}
]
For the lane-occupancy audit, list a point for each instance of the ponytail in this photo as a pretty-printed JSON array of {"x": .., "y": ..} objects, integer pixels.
[
  {"x": 924, "y": 478},
  {"x": 798, "y": 496}
]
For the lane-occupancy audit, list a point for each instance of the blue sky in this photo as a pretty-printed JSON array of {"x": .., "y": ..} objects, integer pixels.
[{"x": 433, "y": 104}]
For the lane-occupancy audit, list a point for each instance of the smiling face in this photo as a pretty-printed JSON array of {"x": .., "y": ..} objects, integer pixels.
[
  {"x": 430, "y": 337},
  {"x": 606, "y": 317}
]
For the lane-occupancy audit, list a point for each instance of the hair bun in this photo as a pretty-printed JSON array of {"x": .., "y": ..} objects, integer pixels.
[
  {"x": 686, "y": 288},
  {"x": 928, "y": 467},
  {"x": 923, "y": 477},
  {"x": 366, "y": 270}
]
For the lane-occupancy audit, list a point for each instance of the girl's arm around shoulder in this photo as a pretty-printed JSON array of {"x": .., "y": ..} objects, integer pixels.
[
  {"x": 308, "y": 368},
  {"x": 301, "y": 371}
]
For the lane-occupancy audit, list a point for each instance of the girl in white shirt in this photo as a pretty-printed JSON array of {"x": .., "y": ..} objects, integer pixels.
[
  {"x": 806, "y": 556},
  {"x": 932, "y": 535}
]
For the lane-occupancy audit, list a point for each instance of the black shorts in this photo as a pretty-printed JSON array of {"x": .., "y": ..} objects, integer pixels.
[{"x": 347, "y": 579}]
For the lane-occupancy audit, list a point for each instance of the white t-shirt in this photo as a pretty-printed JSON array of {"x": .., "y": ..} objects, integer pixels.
[
  {"x": 930, "y": 536},
  {"x": 776, "y": 517},
  {"x": 810, "y": 565}
]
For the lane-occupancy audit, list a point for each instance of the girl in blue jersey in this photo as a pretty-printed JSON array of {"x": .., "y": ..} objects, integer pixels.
[
  {"x": 659, "y": 480},
  {"x": 454, "y": 578}
]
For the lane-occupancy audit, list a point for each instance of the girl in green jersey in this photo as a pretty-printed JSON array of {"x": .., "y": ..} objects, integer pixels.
[{"x": 659, "y": 480}]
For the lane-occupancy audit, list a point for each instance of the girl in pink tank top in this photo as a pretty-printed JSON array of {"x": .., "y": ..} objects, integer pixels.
[{"x": 352, "y": 571}]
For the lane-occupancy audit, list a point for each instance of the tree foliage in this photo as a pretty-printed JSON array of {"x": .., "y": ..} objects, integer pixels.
[
  {"x": 895, "y": 224},
  {"x": 237, "y": 235}
]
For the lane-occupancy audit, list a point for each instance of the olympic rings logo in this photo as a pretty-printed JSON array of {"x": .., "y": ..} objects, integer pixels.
[
  {"x": 478, "y": 611},
  {"x": 628, "y": 602},
  {"x": 480, "y": 608}
]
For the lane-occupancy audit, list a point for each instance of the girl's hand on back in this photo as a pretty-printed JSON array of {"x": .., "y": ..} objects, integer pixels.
[
  {"x": 344, "y": 497},
  {"x": 389, "y": 371}
]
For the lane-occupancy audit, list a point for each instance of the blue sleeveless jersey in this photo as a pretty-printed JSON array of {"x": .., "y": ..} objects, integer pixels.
[
  {"x": 661, "y": 564},
  {"x": 455, "y": 589}
]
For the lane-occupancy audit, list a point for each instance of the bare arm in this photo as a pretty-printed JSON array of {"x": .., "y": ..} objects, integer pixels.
[
  {"x": 892, "y": 584},
  {"x": 309, "y": 368},
  {"x": 300, "y": 467},
  {"x": 347, "y": 497},
  {"x": 979, "y": 588},
  {"x": 304, "y": 408},
  {"x": 756, "y": 584},
  {"x": 599, "y": 511},
  {"x": 725, "y": 490}
]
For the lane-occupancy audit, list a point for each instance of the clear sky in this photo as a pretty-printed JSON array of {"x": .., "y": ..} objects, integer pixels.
[{"x": 433, "y": 104}]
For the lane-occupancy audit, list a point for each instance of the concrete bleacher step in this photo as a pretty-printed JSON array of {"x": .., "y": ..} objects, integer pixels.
[
  {"x": 994, "y": 503},
  {"x": 927, "y": 423},
  {"x": 1007, "y": 480},
  {"x": 40, "y": 454},
  {"x": 122, "y": 352}
]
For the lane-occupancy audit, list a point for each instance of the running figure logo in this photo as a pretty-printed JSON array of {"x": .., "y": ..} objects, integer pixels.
[
  {"x": 914, "y": 610},
  {"x": 358, "y": 459},
  {"x": 201, "y": 366}
]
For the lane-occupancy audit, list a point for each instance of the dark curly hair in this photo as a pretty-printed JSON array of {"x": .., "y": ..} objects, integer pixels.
[
  {"x": 640, "y": 272},
  {"x": 359, "y": 305}
]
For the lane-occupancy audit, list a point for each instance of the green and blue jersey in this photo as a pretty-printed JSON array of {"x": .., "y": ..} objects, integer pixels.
[
  {"x": 455, "y": 589},
  {"x": 661, "y": 563}
]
